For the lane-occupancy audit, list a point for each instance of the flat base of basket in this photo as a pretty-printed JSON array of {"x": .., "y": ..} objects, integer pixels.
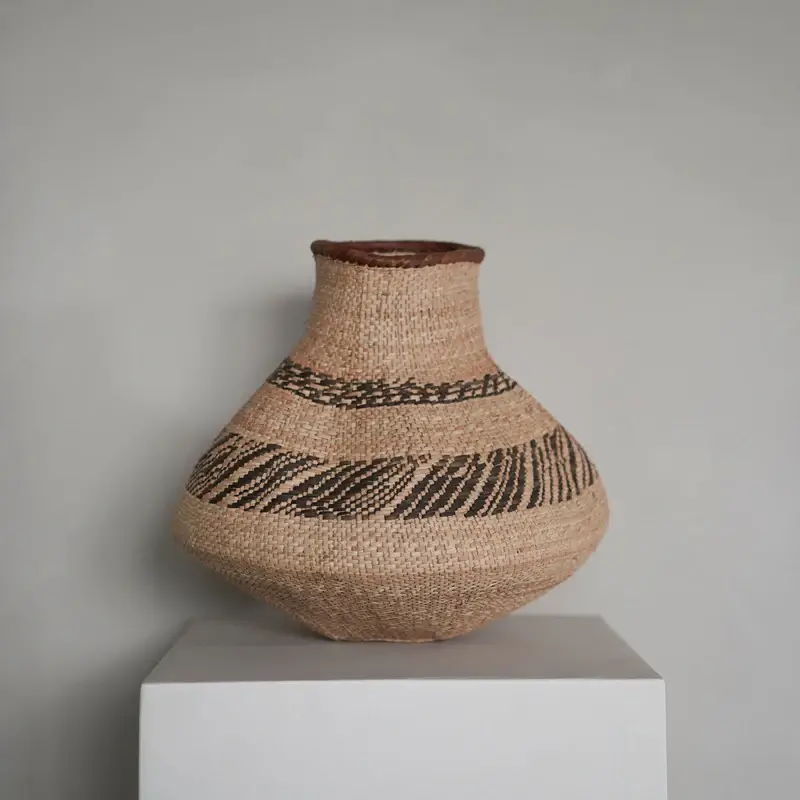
[
  {"x": 390, "y": 641},
  {"x": 376, "y": 637}
]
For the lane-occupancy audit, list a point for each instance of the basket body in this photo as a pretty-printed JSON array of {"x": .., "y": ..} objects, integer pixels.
[{"x": 388, "y": 481}]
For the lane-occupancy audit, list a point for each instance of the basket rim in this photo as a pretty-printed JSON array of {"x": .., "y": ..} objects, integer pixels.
[{"x": 397, "y": 253}]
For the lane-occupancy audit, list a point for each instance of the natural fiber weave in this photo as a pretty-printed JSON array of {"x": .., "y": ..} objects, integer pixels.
[{"x": 388, "y": 481}]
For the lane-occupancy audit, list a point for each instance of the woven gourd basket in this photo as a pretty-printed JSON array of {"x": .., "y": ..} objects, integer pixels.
[{"x": 388, "y": 481}]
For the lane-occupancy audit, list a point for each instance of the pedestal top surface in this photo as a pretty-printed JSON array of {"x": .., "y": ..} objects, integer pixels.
[{"x": 520, "y": 647}]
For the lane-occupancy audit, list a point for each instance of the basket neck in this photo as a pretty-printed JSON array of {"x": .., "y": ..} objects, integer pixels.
[{"x": 421, "y": 323}]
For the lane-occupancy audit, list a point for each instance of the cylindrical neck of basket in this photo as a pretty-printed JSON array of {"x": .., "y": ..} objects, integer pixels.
[{"x": 396, "y": 311}]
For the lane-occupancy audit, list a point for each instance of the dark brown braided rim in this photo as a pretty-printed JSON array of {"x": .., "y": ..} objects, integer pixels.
[{"x": 402, "y": 253}]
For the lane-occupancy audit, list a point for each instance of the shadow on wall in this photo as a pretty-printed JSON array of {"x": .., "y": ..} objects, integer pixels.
[{"x": 144, "y": 588}]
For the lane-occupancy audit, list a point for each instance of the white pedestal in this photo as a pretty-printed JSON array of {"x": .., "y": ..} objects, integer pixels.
[{"x": 528, "y": 707}]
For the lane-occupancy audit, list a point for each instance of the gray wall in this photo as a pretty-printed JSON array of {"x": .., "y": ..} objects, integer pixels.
[{"x": 632, "y": 170}]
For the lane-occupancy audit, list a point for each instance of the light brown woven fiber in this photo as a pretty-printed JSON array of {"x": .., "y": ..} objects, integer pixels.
[{"x": 388, "y": 481}]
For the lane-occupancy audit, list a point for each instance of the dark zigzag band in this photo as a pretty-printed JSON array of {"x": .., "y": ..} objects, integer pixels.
[
  {"x": 237, "y": 472},
  {"x": 327, "y": 390}
]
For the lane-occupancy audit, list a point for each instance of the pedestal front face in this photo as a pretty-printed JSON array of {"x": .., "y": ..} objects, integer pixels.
[{"x": 530, "y": 707}]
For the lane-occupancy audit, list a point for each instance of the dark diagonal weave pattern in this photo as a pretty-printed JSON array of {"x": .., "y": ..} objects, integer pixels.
[
  {"x": 327, "y": 390},
  {"x": 241, "y": 473}
]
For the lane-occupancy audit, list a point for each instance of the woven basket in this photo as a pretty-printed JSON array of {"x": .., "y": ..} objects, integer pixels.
[{"x": 388, "y": 481}]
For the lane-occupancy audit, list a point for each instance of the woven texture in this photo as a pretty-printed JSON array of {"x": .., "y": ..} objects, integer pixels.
[{"x": 388, "y": 481}]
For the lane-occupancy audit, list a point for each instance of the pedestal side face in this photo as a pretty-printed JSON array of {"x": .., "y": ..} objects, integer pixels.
[{"x": 359, "y": 740}]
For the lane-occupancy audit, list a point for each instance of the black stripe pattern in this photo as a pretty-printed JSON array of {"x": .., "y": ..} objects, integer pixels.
[
  {"x": 241, "y": 473},
  {"x": 327, "y": 390}
]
